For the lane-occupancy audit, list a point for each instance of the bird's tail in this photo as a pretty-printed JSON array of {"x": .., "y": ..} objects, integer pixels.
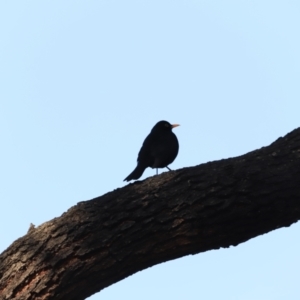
[{"x": 136, "y": 173}]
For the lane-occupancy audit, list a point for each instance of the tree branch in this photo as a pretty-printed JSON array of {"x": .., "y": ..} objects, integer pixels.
[{"x": 99, "y": 242}]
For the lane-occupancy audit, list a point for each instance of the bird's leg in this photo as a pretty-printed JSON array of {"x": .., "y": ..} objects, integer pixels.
[
  {"x": 156, "y": 171},
  {"x": 168, "y": 168}
]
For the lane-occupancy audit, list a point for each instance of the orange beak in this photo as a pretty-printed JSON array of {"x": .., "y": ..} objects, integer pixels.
[{"x": 174, "y": 125}]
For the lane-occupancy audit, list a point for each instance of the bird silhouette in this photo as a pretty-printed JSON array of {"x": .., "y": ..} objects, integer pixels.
[{"x": 159, "y": 149}]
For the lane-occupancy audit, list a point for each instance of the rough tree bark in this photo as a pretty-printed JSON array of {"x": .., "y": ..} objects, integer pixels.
[{"x": 98, "y": 242}]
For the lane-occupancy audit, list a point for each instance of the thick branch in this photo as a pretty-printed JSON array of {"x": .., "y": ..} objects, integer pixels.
[{"x": 101, "y": 241}]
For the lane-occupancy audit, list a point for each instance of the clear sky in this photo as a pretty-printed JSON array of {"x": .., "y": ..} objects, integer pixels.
[{"x": 83, "y": 82}]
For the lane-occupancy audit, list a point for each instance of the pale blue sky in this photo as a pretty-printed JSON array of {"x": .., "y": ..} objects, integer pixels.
[{"x": 83, "y": 82}]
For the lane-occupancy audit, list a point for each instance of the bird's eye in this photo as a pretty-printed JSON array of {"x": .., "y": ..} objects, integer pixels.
[{"x": 167, "y": 125}]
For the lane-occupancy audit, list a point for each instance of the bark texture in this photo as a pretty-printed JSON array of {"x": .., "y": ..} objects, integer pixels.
[{"x": 99, "y": 242}]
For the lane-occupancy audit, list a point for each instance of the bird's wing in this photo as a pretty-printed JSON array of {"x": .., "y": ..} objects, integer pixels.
[{"x": 146, "y": 154}]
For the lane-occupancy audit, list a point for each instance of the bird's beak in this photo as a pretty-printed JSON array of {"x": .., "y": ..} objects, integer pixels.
[{"x": 175, "y": 125}]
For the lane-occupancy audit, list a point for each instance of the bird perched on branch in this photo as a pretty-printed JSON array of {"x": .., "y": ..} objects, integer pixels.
[{"x": 159, "y": 149}]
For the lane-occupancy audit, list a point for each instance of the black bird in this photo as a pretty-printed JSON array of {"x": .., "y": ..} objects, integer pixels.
[{"x": 159, "y": 149}]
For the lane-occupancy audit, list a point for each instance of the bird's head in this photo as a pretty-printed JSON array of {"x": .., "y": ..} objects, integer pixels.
[{"x": 164, "y": 125}]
